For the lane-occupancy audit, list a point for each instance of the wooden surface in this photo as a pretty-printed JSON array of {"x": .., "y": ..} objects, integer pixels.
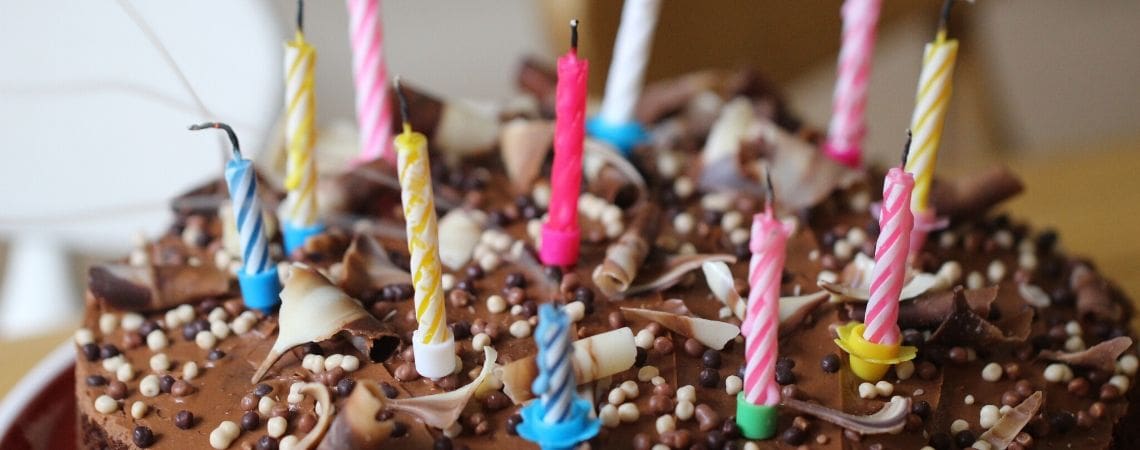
[{"x": 1092, "y": 197}]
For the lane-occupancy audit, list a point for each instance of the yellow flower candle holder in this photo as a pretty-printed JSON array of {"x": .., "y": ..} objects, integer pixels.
[{"x": 870, "y": 361}]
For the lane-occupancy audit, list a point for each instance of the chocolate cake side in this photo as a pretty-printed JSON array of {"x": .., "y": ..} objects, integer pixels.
[{"x": 978, "y": 346}]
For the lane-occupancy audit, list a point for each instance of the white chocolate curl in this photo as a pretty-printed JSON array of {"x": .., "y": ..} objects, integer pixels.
[
  {"x": 464, "y": 130},
  {"x": 595, "y": 357}
]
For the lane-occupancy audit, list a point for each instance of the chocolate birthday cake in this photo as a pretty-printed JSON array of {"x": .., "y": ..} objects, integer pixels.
[{"x": 1018, "y": 344}]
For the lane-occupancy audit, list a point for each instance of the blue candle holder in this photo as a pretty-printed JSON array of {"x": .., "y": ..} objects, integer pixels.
[
  {"x": 295, "y": 236},
  {"x": 260, "y": 291},
  {"x": 622, "y": 136},
  {"x": 563, "y": 435}
]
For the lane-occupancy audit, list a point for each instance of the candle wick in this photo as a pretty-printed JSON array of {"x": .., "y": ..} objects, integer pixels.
[
  {"x": 300, "y": 15},
  {"x": 944, "y": 18},
  {"x": 770, "y": 192},
  {"x": 574, "y": 34},
  {"x": 229, "y": 131},
  {"x": 906, "y": 148},
  {"x": 403, "y": 101}
]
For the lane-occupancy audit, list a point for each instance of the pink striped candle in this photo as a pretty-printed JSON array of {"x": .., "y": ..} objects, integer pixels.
[
  {"x": 370, "y": 74},
  {"x": 769, "y": 239},
  {"x": 847, "y": 129},
  {"x": 891, "y": 251}
]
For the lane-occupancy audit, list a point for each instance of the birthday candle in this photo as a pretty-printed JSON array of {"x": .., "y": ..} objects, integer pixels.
[
  {"x": 423, "y": 234},
  {"x": 934, "y": 86},
  {"x": 891, "y": 251},
  {"x": 555, "y": 383},
  {"x": 631, "y": 55},
  {"x": 560, "y": 232},
  {"x": 768, "y": 243},
  {"x": 370, "y": 74},
  {"x": 845, "y": 135},
  {"x": 300, "y": 207}
]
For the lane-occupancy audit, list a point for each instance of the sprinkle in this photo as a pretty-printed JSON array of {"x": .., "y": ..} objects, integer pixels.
[
  {"x": 1120, "y": 381},
  {"x": 106, "y": 405},
  {"x": 1058, "y": 373},
  {"x": 975, "y": 280},
  {"x": 220, "y": 329},
  {"x": 496, "y": 304},
  {"x": 139, "y": 410},
  {"x": 687, "y": 393},
  {"x": 733, "y": 384},
  {"x": 996, "y": 271},
  {"x": 217, "y": 314},
  {"x": 643, "y": 339},
  {"x": 205, "y": 340},
  {"x": 683, "y": 223},
  {"x": 520, "y": 329},
  {"x": 1074, "y": 344},
  {"x": 350, "y": 363},
  {"x": 969, "y": 400},
  {"x": 112, "y": 364},
  {"x": 276, "y": 426},
  {"x": 992, "y": 372},
  {"x": 843, "y": 250},
  {"x": 265, "y": 405},
  {"x": 665, "y": 424},
  {"x": 628, "y": 412},
  {"x": 989, "y": 416},
  {"x": 156, "y": 340},
  {"x": 616, "y": 396},
  {"x": 647, "y": 373},
  {"x": 108, "y": 323},
  {"x": 982, "y": 444},
  {"x": 576, "y": 310},
  {"x": 125, "y": 372},
  {"x": 160, "y": 362},
  {"x": 190, "y": 371},
  {"x": 224, "y": 435},
  {"x": 84, "y": 336},
  {"x": 657, "y": 380},
  {"x": 447, "y": 281},
  {"x": 904, "y": 370},
  {"x": 959, "y": 425},
  {"x": 131, "y": 321},
  {"x": 630, "y": 389},
  {"x": 884, "y": 388},
  {"x": 149, "y": 386},
  {"x": 333, "y": 361},
  {"x": 185, "y": 313},
  {"x": 479, "y": 341},
  {"x": 738, "y": 236},
  {"x": 867, "y": 391},
  {"x": 1127, "y": 365},
  {"x": 609, "y": 416},
  {"x": 241, "y": 325}
]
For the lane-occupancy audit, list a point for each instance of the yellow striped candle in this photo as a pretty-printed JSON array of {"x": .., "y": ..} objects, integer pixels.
[
  {"x": 300, "y": 207},
  {"x": 929, "y": 115}
]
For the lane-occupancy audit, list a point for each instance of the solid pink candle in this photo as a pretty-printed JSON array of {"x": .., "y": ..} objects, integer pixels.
[
  {"x": 891, "y": 250},
  {"x": 560, "y": 235},
  {"x": 370, "y": 75},
  {"x": 845, "y": 134},
  {"x": 761, "y": 323}
]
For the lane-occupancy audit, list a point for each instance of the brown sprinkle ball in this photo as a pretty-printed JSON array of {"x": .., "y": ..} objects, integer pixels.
[
  {"x": 142, "y": 436},
  {"x": 306, "y": 422},
  {"x": 117, "y": 390},
  {"x": 830, "y": 363},
  {"x": 694, "y": 348},
  {"x": 267, "y": 443},
  {"x": 184, "y": 420},
  {"x": 662, "y": 345},
  {"x": 181, "y": 388},
  {"x": 616, "y": 320},
  {"x": 249, "y": 402},
  {"x": 790, "y": 391},
  {"x": 707, "y": 418},
  {"x": 250, "y": 421},
  {"x": 927, "y": 371},
  {"x": 708, "y": 378},
  {"x": 406, "y": 372}
]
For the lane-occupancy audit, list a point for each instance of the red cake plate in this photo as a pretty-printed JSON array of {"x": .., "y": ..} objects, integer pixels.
[{"x": 39, "y": 412}]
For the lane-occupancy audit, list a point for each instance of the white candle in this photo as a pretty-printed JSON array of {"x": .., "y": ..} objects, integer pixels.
[{"x": 631, "y": 54}]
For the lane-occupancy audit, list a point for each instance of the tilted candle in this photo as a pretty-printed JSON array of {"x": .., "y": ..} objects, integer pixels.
[
  {"x": 768, "y": 243},
  {"x": 433, "y": 345},
  {"x": 370, "y": 74},
  {"x": 258, "y": 275},
  {"x": 891, "y": 252},
  {"x": 615, "y": 123},
  {"x": 848, "y": 127},
  {"x": 930, "y": 102},
  {"x": 299, "y": 210},
  {"x": 560, "y": 234}
]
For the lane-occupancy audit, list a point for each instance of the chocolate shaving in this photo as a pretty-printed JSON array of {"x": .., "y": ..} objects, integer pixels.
[
  {"x": 793, "y": 310},
  {"x": 314, "y": 310},
  {"x": 973, "y": 196},
  {"x": 443, "y": 409},
  {"x": 540, "y": 80},
  {"x": 932, "y": 309},
  {"x": 710, "y": 333},
  {"x": 676, "y": 267},
  {"x": 355, "y": 425},
  {"x": 891, "y": 418},
  {"x": 524, "y": 146},
  {"x": 964, "y": 327},
  {"x": 459, "y": 232},
  {"x": 151, "y": 288},
  {"x": 324, "y": 414},
  {"x": 1101, "y": 356},
  {"x": 367, "y": 268},
  {"x": 720, "y": 169},
  {"x": 1034, "y": 295},
  {"x": 665, "y": 97},
  {"x": 856, "y": 284},
  {"x": 1093, "y": 297},
  {"x": 675, "y": 306},
  {"x": 597, "y": 157},
  {"x": 623, "y": 258},
  {"x": 1011, "y": 423},
  {"x": 806, "y": 174}
]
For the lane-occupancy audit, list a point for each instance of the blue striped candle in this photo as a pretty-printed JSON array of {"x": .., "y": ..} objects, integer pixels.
[
  {"x": 555, "y": 383},
  {"x": 242, "y": 184}
]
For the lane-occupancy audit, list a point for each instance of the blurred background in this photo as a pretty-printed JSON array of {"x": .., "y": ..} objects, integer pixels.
[{"x": 94, "y": 114}]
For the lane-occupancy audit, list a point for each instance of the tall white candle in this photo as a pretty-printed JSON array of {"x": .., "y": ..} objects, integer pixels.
[{"x": 631, "y": 54}]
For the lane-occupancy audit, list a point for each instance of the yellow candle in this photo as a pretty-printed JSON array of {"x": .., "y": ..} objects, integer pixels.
[
  {"x": 933, "y": 96},
  {"x": 300, "y": 207},
  {"x": 423, "y": 234}
]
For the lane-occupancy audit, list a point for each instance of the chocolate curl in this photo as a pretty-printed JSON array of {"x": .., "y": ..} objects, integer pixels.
[
  {"x": 523, "y": 147},
  {"x": 793, "y": 310},
  {"x": 856, "y": 285},
  {"x": 1011, "y": 423},
  {"x": 355, "y": 425},
  {"x": 607, "y": 172},
  {"x": 443, "y": 409},
  {"x": 964, "y": 327},
  {"x": 366, "y": 268},
  {"x": 676, "y": 267},
  {"x": 891, "y": 418},
  {"x": 666, "y": 97},
  {"x": 152, "y": 288},
  {"x": 1101, "y": 356},
  {"x": 314, "y": 310},
  {"x": 1093, "y": 297},
  {"x": 793, "y": 161},
  {"x": 973, "y": 196},
  {"x": 595, "y": 357},
  {"x": 623, "y": 258},
  {"x": 324, "y": 412},
  {"x": 713, "y": 334},
  {"x": 930, "y": 310},
  {"x": 720, "y": 168}
]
